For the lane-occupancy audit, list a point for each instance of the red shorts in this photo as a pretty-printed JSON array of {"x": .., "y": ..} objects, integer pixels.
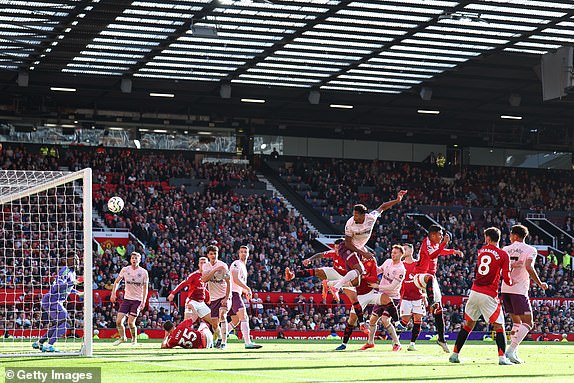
[{"x": 351, "y": 258}]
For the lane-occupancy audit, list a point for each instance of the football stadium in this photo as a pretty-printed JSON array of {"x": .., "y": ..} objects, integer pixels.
[{"x": 286, "y": 191}]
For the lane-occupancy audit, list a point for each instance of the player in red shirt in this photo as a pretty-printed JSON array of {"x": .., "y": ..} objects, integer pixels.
[
  {"x": 433, "y": 246},
  {"x": 412, "y": 304},
  {"x": 492, "y": 262},
  {"x": 365, "y": 295},
  {"x": 197, "y": 296},
  {"x": 323, "y": 273},
  {"x": 185, "y": 336}
]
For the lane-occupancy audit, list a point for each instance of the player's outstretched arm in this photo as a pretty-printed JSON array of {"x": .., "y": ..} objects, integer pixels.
[
  {"x": 391, "y": 203},
  {"x": 314, "y": 257}
]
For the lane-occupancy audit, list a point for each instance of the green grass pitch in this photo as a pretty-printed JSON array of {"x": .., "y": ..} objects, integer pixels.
[{"x": 315, "y": 361}]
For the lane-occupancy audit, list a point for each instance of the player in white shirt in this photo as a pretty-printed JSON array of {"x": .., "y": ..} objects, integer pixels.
[
  {"x": 238, "y": 288},
  {"x": 216, "y": 274},
  {"x": 358, "y": 231},
  {"x": 136, "y": 289},
  {"x": 515, "y": 298},
  {"x": 393, "y": 273}
]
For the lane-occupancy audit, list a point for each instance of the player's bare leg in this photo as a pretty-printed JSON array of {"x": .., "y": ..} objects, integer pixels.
[{"x": 121, "y": 329}]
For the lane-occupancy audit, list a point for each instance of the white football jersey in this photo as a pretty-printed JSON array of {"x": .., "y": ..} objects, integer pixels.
[
  {"x": 361, "y": 232},
  {"x": 519, "y": 252},
  {"x": 241, "y": 270}
]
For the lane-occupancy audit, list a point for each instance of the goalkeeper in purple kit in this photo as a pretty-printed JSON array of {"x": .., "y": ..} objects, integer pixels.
[{"x": 53, "y": 303}]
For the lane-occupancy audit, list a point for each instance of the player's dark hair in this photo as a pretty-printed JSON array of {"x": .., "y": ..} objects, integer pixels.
[
  {"x": 434, "y": 229},
  {"x": 135, "y": 253},
  {"x": 244, "y": 247},
  {"x": 338, "y": 241},
  {"x": 212, "y": 248},
  {"x": 399, "y": 247},
  {"x": 168, "y": 325},
  {"x": 493, "y": 233},
  {"x": 519, "y": 230},
  {"x": 360, "y": 208}
]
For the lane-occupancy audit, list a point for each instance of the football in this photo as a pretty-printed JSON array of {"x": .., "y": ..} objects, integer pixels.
[{"x": 115, "y": 204}]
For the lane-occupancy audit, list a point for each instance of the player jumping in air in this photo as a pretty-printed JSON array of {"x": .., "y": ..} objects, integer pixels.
[
  {"x": 358, "y": 231},
  {"x": 433, "y": 246},
  {"x": 136, "y": 280},
  {"x": 412, "y": 304},
  {"x": 53, "y": 303},
  {"x": 492, "y": 262},
  {"x": 185, "y": 336},
  {"x": 195, "y": 306},
  {"x": 515, "y": 297},
  {"x": 323, "y": 273},
  {"x": 393, "y": 273}
]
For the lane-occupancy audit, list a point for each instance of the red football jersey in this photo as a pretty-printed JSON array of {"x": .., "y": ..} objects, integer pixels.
[
  {"x": 196, "y": 287},
  {"x": 338, "y": 262},
  {"x": 185, "y": 336},
  {"x": 370, "y": 276},
  {"x": 409, "y": 291},
  {"x": 428, "y": 256},
  {"x": 491, "y": 263}
]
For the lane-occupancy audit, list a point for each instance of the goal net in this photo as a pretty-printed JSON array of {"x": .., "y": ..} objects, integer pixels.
[{"x": 46, "y": 219}]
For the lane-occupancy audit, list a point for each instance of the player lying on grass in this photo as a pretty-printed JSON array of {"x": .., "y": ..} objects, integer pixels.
[
  {"x": 195, "y": 303},
  {"x": 185, "y": 336}
]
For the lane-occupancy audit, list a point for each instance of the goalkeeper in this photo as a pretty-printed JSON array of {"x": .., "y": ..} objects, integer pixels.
[{"x": 53, "y": 303}]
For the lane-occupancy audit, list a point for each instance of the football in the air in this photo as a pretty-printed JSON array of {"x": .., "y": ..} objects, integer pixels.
[{"x": 115, "y": 204}]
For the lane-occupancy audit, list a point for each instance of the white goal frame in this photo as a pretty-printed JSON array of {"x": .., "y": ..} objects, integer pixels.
[{"x": 86, "y": 176}]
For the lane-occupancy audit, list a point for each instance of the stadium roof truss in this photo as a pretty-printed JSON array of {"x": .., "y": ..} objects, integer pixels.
[
  {"x": 379, "y": 53},
  {"x": 367, "y": 46}
]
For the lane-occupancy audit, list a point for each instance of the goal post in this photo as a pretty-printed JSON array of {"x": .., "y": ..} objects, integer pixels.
[{"x": 45, "y": 216}]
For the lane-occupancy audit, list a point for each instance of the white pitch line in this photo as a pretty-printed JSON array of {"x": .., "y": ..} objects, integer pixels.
[{"x": 179, "y": 367}]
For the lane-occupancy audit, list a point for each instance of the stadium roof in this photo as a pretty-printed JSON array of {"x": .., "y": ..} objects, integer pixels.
[{"x": 477, "y": 57}]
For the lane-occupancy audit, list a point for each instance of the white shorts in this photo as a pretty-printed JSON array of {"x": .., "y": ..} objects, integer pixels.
[
  {"x": 370, "y": 298},
  {"x": 481, "y": 304},
  {"x": 200, "y": 309},
  {"x": 331, "y": 273},
  {"x": 412, "y": 307}
]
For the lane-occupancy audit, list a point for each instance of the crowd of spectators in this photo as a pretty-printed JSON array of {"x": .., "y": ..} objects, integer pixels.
[{"x": 175, "y": 226}]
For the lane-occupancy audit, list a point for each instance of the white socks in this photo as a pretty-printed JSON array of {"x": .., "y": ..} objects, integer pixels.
[
  {"x": 347, "y": 278},
  {"x": 245, "y": 331}
]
